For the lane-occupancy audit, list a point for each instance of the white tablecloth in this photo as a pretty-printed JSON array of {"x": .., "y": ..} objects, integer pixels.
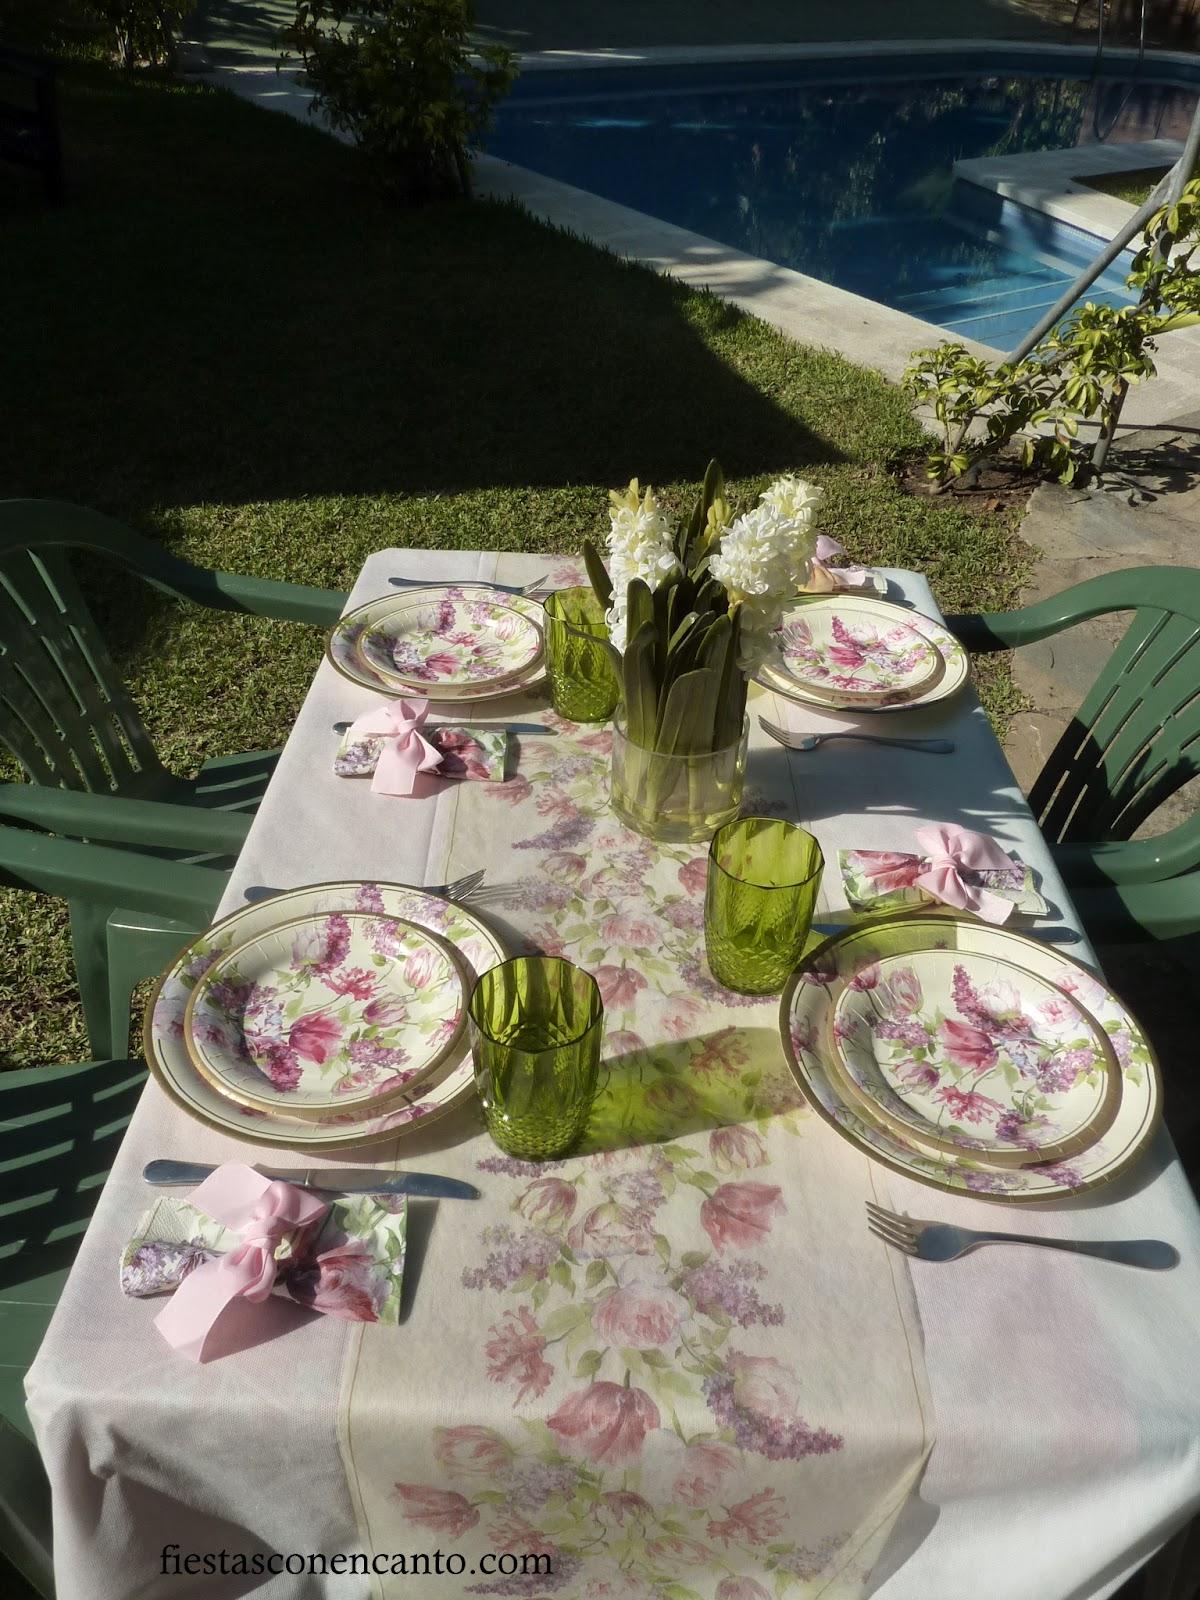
[{"x": 1068, "y": 1414}]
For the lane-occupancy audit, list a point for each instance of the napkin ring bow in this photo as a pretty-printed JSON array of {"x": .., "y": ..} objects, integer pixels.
[
  {"x": 949, "y": 852},
  {"x": 404, "y": 751},
  {"x": 265, "y": 1213}
]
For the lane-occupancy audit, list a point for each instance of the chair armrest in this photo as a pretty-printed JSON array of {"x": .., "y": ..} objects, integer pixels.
[
  {"x": 262, "y": 597},
  {"x": 55, "y": 522},
  {"x": 1130, "y": 912},
  {"x": 1129, "y": 860},
  {"x": 116, "y": 819},
  {"x": 97, "y": 872}
]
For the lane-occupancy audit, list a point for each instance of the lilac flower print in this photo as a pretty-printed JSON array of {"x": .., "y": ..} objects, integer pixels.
[
  {"x": 809, "y": 1564},
  {"x": 1063, "y": 1172},
  {"x": 369, "y": 898},
  {"x": 369, "y": 1056},
  {"x": 532, "y": 1485},
  {"x": 566, "y": 1568},
  {"x": 906, "y": 1031},
  {"x": 730, "y": 1290},
  {"x": 510, "y": 1257},
  {"x": 641, "y": 1191},
  {"x": 1059, "y": 1073},
  {"x": 512, "y": 1168},
  {"x": 1018, "y": 1129},
  {"x": 562, "y": 836},
  {"x": 700, "y": 981},
  {"x": 990, "y": 1182},
  {"x": 158, "y": 1266},
  {"x": 757, "y": 1398}
]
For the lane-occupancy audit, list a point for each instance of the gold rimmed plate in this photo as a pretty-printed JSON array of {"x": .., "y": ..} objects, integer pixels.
[
  {"x": 321, "y": 1016},
  {"x": 449, "y": 1086},
  {"x": 443, "y": 643},
  {"x": 344, "y": 638},
  {"x": 947, "y": 680},
  {"x": 806, "y": 1011},
  {"x": 961, "y": 1053}
]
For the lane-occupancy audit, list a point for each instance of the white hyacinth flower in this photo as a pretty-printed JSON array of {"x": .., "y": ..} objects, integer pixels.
[
  {"x": 795, "y": 498},
  {"x": 764, "y": 558},
  {"x": 641, "y": 544}
]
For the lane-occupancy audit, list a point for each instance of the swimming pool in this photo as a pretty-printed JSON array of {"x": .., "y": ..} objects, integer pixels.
[{"x": 843, "y": 169}]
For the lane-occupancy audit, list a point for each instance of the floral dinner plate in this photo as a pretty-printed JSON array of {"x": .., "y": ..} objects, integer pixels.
[
  {"x": 322, "y": 1015},
  {"x": 843, "y": 651},
  {"x": 953, "y": 674},
  {"x": 805, "y": 1016},
  {"x": 450, "y": 1085},
  {"x": 451, "y": 643},
  {"x": 960, "y": 1052},
  {"x": 344, "y": 655}
]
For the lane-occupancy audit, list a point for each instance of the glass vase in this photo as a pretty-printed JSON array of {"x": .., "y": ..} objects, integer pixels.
[{"x": 676, "y": 799}]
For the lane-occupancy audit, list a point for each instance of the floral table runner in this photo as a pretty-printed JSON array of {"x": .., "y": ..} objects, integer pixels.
[{"x": 677, "y": 1364}]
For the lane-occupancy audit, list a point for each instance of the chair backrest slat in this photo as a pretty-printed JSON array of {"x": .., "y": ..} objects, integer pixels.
[
  {"x": 59, "y": 689},
  {"x": 1136, "y": 738}
]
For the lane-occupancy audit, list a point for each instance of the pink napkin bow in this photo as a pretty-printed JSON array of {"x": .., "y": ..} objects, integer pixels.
[
  {"x": 264, "y": 1212},
  {"x": 404, "y": 752},
  {"x": 951, "y": 850}
]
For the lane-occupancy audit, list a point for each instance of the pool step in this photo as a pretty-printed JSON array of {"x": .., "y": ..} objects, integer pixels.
[
  {"x": 1004, "y": 324},
  {"x": 965, "y": 298}
]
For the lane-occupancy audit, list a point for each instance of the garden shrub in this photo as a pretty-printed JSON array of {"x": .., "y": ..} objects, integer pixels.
[{"x": 401, "y": 78}]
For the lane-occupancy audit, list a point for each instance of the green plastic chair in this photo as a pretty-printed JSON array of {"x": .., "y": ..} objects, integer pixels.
[
  {"x": 1132, "y": 744},
  {"x": 60, "y": 1128},
  {"x": 93, "y": 772}
]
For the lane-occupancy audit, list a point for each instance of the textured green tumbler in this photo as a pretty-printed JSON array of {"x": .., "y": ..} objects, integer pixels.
[
  {"x": 536, "y": 1027},
  {"x": 583, "y": 682},
  {"x": 763, "y": 878}
]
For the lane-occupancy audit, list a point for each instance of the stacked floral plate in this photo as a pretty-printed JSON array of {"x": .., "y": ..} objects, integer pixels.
[
  {"x": 971, "y": 1058},
  {"x": 858, "y": 653},
  {"x": 447, "y": 642},
  {"x": 332, "y": 1015}
]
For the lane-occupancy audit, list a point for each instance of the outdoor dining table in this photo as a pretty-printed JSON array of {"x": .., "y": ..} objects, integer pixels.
[{"x": 1021, "y": 1424}]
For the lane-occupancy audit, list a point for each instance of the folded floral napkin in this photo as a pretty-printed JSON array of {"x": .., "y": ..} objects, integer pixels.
[
  {"x": 954, "y": 867},
  {"x": 391, "y": 745},
  {"x": 240, "y": 1235}
]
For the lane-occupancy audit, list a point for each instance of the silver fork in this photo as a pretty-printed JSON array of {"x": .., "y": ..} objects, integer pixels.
[
  {"x": 812, "y": 741},
  {"x": 526, "y": 589},
  {"x": 458, "y": 888},
  {"x": 941, "y": 1241}
]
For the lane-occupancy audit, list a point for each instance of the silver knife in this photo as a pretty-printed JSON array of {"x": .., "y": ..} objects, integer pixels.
[
  {"x": 334, "y": 1180},
  {"x": 520, "y": 590}
]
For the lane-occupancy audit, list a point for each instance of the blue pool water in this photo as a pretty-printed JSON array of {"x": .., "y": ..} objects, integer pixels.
[{"x": 850, "y": 177}]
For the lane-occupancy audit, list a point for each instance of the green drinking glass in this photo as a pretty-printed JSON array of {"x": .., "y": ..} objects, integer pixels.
[
  {"x": 536, "y": 1027},
  {"x": 763, "y": 878},
  {"x": 583, "y": 683}
]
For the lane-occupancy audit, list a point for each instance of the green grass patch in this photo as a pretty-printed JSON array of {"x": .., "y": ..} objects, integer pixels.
[
  {"x": 1133, "y": 187},
  {"x": 224, "y": 338}
]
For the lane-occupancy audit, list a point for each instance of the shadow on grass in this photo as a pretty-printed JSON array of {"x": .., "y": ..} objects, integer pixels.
[{"x": 223, "y": 312}]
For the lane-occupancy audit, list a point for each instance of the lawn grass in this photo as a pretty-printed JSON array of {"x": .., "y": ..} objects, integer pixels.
[
  {"x": 1133, "y": 187},
  {"x": 225, "y": 339}
]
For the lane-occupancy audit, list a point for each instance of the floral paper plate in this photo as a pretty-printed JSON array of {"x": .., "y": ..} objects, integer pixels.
[
  {"x": 313, "y": 1021},
  {"x": 954, "y": 671},
  {"x": 450, "y": 1085},
  {"x": 447, "y": 643},
  {"x": 342, "y": 644},
  {"x": 806, "y": 1013},
  {"x": 842, "y": 650},
  {"x": 959, "y": 1052}
]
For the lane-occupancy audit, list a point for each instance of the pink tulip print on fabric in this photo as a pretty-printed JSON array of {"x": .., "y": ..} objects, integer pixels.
[{"x": 626, "y": 1354}]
